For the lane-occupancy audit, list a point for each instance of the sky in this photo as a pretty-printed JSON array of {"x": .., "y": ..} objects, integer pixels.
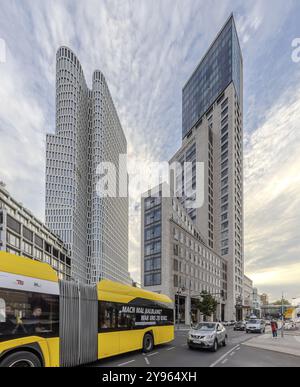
[{"x": 147, "y": 49}]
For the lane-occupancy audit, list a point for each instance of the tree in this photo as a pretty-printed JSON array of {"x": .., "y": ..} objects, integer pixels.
[
  {"x": 207, "y": 305},
  {"x": 280, "y": 302}
]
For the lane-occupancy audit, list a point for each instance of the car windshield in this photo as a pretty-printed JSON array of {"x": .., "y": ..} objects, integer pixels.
[
  {"x": 205, "y": 327},
  {"x": 253, "y": 321}
]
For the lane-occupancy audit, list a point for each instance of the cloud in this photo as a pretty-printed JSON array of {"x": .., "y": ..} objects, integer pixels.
[{"x": 272, "y": 194}]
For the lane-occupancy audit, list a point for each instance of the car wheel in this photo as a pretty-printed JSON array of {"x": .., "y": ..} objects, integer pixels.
[
  {"x": 190, "y": 346},
  {"x": 21, "y": 359},
  {"x": 215, "y": 346},
  {"x": 148, "y": 343},
  {"x": 247, "y": 331}
]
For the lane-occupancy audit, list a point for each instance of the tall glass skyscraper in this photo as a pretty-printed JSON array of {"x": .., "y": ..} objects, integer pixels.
[
  {"x": 88, "y": 132},
  {"x": 212, "y": 131},
  {"x": 221, "y": 65}
]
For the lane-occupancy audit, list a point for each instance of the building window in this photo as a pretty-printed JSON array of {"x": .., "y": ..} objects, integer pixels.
[
  {"x": 152, "y": 248},
  {"x": 13, "y": 240},
  {"x": 152, "y": 264},
  {"x": 152, "y": 217},
  {"x": 152, "y": 232},
  {"x": 39, "y": 241},
  {"x": 13, "y": 224},
  {"x": 152, "y": 202},
  {"x": 153, "y": 279},
  {"x": 175, "y": 265},
  {"x": 175, "y": 248},
  {"x": 27, "y": 234},
  {"x": 38, "y": 254}
]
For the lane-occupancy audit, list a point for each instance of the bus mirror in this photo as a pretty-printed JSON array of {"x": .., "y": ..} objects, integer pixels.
[{"x": 2, "y": 311}]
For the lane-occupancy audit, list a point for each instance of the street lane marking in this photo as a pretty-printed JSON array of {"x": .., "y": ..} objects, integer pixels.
[
  {"x": 232, "y": 353},
  {"x": 147, "y": 360},
  {"x": 238, "y": 348},
  {"x": 169, "y": 349},
  {"x": 223, "y": 357},
  {"x": 152, "y": 354},
  {"x": 224, "y": 361},
  {"x": 128, "y": 362}
]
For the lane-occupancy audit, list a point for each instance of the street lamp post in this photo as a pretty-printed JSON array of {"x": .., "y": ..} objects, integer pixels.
[
  {"x": 179, "y": 291},
  {"x": 282, "y": 320}
]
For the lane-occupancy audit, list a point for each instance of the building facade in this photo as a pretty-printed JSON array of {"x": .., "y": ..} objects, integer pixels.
[
  {"x": 248, "y": 297},
  {"x": 21, "y": 233},
  {"x": 88, "y": 133},
  {"x": 176, "y": 259},
  {"x": 264, "y": 299},
  {"x": 212, "y": 134},
  {"x": 256, "y": 309}
]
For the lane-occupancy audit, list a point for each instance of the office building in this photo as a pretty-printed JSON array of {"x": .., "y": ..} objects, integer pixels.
[
  {"x": 88, "y": 133},
  {"x": 212, "y": 134},
  {"x": 176, "y": 259},
  {"x": 21, "y": 233}
]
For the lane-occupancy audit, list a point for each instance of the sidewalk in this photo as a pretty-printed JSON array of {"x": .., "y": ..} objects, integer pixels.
[{"x": 288, "y": 345}]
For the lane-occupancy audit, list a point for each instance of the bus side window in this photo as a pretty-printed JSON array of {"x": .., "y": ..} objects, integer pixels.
[
  {"x": 2, "y": 311},
  {"x": 107, "y": 315}
]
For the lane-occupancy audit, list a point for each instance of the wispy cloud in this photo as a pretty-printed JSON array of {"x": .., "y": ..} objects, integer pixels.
[{"x": 272, "y": 195}]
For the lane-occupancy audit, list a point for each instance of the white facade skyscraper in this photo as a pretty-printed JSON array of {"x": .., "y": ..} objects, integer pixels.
[{"x": 88, "y": 132}]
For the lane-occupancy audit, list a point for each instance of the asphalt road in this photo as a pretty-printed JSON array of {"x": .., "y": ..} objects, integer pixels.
[{"x": 177, "y": 354}]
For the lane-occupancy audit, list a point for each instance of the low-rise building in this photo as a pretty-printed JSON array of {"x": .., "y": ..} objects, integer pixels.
[
  {"x": 176, "y": 259},
  {"x": 21, "y": 233}
]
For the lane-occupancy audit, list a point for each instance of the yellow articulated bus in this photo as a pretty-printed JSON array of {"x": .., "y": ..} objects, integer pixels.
[{"x": 52, "y": 323}]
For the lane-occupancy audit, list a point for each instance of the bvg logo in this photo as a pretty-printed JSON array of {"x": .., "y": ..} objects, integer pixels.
[
  {"x": 20, "y": 282},
  {"x": 296, "y": 51}
]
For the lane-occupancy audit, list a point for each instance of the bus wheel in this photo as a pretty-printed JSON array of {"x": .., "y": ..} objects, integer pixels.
[
  {"x": 21, "y": 359},
  {"x": 148, "y": 343}
]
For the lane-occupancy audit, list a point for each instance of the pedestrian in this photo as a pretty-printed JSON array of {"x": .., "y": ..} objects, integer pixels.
[{"x": 274, "y": 327}]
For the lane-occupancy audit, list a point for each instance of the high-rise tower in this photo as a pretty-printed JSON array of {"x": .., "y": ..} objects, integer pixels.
[
  {"x": 212, "y": 132},
  {"x": 88, "y": 132}
]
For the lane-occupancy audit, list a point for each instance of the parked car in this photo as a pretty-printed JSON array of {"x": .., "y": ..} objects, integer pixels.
[
  {"x": 225, "y": 323},
  {"x": 208, "y": 335},
  {"x": 232, "y": 323},
  {"x": 239, "y": 326},
  {"x": 255, "y": 326}
]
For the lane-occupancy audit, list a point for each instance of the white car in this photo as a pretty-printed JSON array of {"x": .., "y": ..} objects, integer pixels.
[
  {"x": 256, "y": 326},
  {"x": 208, "y": 335}
]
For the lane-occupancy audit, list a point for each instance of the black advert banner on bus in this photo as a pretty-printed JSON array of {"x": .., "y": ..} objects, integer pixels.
[{"x": 144, "y": 316}]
